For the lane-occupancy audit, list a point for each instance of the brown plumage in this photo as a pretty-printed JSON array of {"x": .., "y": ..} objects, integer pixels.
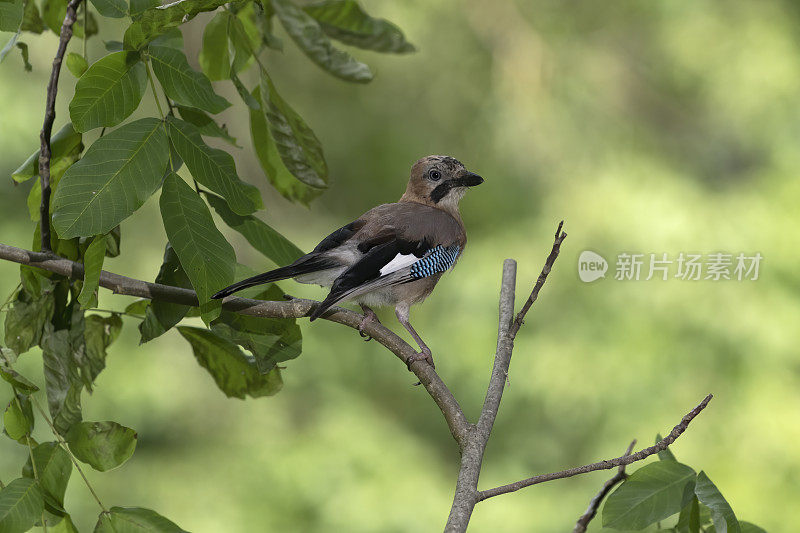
[{"x": 394, "y": 254}]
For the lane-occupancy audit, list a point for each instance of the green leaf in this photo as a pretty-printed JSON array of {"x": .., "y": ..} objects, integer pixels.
[
  {"x": 205, "y": 124},
  {"x": 664, "y": 455},
  {"x": 299, "y": 148},
  {"x": 270, "y": 340},
  {"x": 721, "y": 513},
  {"x": 21, "y": 504},
  {"x": 235, "y": 373},
  {"x": 134, "y": 520},
  {"x": 62, "y": 378},
  {"x": 247, "y": 98},
  {"x": 53, "y": 13},
  {"x": 11, "y": 15},
  {"x": 140, "y": 6},
  {"x": 260, "y": 235},
  {"x": 271, "y": 163},
  {"x": 212, "y": 167},
  {"x": 102, "y": 445},
  {"x": 112, "y": 180},
  {"x": 99, "y": 333},
  {"x": 204, "y": 254},
  {"x": 18, "y": 381},
  {"x": 183, "y": 84},
  {"x": 66, "y": 143},
  {"x": 309, "y": 37},
  {"x": 26, "y": 319},
  {"x": 111, "y": 8},
  {"x": 92, "y": 265},
  {"x": 23, "y": 49},
  {"x": 214, "y": 55},
  {"x": 138, "y": 307},
  {"x": 31, "y": 20},
  {"x": 689, "y": 519},
  {"x": 53, "y": 468},
  {"x": 153, "y": 21},
  {"x": 64, "y": 526},
  {"x": 113, "y": 239},
  {"x": 748, "y": 527},
  {"x": 160, "y": 316},
  {"x": 245, "y": 37},
  {"x": 650, "y": 494},
  {"x": 16, "y": 421},
  {"x": 9, "y": 45},
  {"x": 109, "y": 91},
  {"x": 345, "y": 21},
  {"x": 76, "y": 64}
]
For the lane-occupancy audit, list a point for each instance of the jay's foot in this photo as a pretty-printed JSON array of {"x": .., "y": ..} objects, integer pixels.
[
  {"x": 369, "y": 317},
  {"x": 424, "y": 355}
]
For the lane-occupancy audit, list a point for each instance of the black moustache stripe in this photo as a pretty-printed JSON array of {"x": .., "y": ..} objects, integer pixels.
[{"x": 441, "y": 191}]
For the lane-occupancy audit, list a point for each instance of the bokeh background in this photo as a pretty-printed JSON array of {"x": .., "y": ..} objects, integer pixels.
[{"x": 660, "y": 127}]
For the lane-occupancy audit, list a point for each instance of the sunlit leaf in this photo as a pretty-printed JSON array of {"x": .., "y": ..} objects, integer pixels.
[
  {"x": 16, "y": 421},
  {"x": 134, "y": 520},
  {"x": 92, "y": 265},
  {"x": 53, "y": 468},
  {"x": 21, "y": 504},
  {"x": 299, "y": 148},
  {"x": 650, "y": 494},
  {"x": 212, "y": 167},
  {"x": 214, "y": 55},
  {"x": 102, "y": 445},
  {"x": 66, "y": 142},
  {"x": 111, "y": 8},
  {"x": 259, "y": 234},
  {"x": 235, "y": 373},
  {"x": 112, "y": 180},
  {"x": 109, "y": 91},
  {"x": 272, "y": 165},
  {"x": 140, "y": 6},
  {"x": 153, "y": 21},
  {"x": 721, "y": 513},
  {"x": 309, "y": 37},
  {"x": 76, "y": 64},
  {"x": 244, "y": 36},
  {"x": 183, "y": 84},
  {"x": 345, "y": 21},
  {"x": 204, "y": 254},
  {"x": 161, "y": 315}
]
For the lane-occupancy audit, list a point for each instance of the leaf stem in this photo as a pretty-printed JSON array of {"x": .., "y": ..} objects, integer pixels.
[
  {"x": 153, "y": 88},
  {"x": 63, "y": 445},
  {"x": 114, "y": 312},
  {"x": 30, "y": 451},
  {"x": 85, "y": 28}
]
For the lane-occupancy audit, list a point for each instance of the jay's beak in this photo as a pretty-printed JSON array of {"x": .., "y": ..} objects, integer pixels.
[{"x": 467, "y": 180}]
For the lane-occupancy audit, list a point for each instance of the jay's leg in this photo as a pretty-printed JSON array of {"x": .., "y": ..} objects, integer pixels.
[
  {"x": 402, "y": 312},
  {"x": 369, "y": 316}
]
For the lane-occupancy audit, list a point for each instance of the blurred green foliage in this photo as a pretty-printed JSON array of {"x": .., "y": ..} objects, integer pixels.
[{"x": 649, "y": 127}]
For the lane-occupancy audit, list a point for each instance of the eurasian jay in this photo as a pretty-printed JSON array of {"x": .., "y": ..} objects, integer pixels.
[{"x": 394, "y": 254}]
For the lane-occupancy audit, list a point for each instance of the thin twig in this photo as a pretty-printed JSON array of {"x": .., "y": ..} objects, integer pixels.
[
  {"x": 64, "y": 446},
  {"x": 661, "y": 445},
  {"x": 294, "y": 308},
  {"x": 50, "y": 117},
  {"x": 594, "y": 505},
  {"x": 520, "y": 318}
]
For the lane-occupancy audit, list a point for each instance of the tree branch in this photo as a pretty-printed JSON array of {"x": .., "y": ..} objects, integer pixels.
[
  {"x": 49, "y": 118},
  {"x": 466, "y": 494},
  {"x": 661, "y": 445},
  {"x": 594, "y": 505},
  {"x": 548, "y": 265},
  {"x": 295, "y": 308}
]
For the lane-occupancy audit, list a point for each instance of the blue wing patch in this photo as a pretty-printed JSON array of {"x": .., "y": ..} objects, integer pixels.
[{"x": 437, "y": 260}]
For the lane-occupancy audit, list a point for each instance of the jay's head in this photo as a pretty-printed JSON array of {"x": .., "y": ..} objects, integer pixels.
[{"x": 440, "y": 180}]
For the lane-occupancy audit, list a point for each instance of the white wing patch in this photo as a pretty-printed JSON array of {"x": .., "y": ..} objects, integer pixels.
[{"x": 399, "y": 261}]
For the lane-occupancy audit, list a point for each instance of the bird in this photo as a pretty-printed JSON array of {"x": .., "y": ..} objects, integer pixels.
[{"x": 392, "y": 255}]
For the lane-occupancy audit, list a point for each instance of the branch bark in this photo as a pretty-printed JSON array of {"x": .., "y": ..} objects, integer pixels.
[
  {"x": 661, "y": 445},
  {"x": 49, "y": 118},
  {"x": 466, "y": 494},
  {"x": 295, "y": 308},
  {"x": 594, "y": 505}
]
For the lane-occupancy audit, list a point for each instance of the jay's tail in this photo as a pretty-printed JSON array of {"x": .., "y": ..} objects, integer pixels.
[{"x": 304, "y": 265}]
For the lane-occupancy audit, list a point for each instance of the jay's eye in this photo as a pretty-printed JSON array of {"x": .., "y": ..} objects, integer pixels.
[{"x": 435, "y": 175}]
